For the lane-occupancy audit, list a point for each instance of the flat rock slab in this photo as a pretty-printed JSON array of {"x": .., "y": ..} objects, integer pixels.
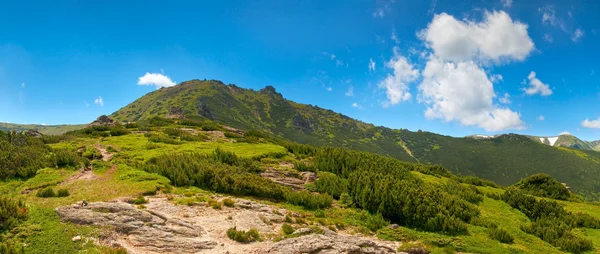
[
  {"x": 330, "y": 244},
  {"x": 147, "y": 230}
]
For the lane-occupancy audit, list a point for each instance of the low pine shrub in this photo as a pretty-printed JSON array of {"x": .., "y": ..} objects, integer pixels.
[
  {"x": 46, "y": 193},
  {"x": 243, "y": 236}
]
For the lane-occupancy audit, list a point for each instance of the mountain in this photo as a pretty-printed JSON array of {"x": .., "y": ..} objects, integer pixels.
[
  {"x": 504, "y": 159},
  {"x": 568, "y": 140},
  {"x": 44, "y": 129}
]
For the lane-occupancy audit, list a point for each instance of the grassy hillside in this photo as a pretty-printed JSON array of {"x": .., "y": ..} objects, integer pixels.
[
  {"x": 263, "y": 110},
  {"x": 503, "y": 159},
  {"x": 44, "y": 129},
  {"x": 478, "y": 217}
]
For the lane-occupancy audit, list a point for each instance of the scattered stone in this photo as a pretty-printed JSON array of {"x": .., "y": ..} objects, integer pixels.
[
  {"x": 303, "y": 231},
  {"x": 76, "y": 239},
  {"x": 145, "y": 230},
  {"x": 394, "y": 226},
  {"x": 328, "y": 244},
  {"x": 308, "y": 177}
]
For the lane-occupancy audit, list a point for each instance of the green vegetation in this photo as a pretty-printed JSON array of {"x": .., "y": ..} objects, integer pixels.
[
  {"x": 243, "y": 236},
  {"x": 11, "y": 213},
  {"x": 46, "y": 193},
  {"x": 504, "y": 160},
  {"x": 501, "y": 235},
  {"x": 228, "y": 202},
  {"x": 287, "y": 229},
  {"x": 543, "y": 185}
]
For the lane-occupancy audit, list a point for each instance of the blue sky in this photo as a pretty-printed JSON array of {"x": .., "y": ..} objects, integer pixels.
[{"x": 452, "y": 68}]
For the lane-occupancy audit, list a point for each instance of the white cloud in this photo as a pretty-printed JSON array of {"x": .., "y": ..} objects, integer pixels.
[
  {"x": 549, "y": 15},
  {"x": 506, "y": 3},
  {"x": 394, "y": 37},
  {"x": 496, "y": 38},
  {"x": 350, "y": 91},
  {"x": 577, "y": 35},
  {"x": 564, "y": 133},
  {"x": 462, "y": 92},
  {"x": 371, "y": 64},
  {"x": 547, "y": 37},
  {"x": 329, "y": 89},
  {"x": 396, "y": 84},
  {"x": 379, "y": 12},
  {"x": 536, "y": 86},
  {"x": 595, "y": 124},
  {"x": 155, "y": 79},
  {"x": 505, "y": 99},
  {"x": 330, "y": 55},
  {"x": 356, "y": 105},
  {"x": 496, "y": 78},
  {"x": 339, "y": 63},
  {"x": 541, "y": 118},
  {"x": 86, "y": 104},
  {"x": 23, "y": 85},
  {"x": 43, "y": 124},
  {"x": 99, "y": 101}
]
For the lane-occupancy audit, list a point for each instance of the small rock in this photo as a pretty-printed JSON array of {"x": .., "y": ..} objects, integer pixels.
[
  {"x": 76, "y": 239},
  {"x": 303, "y": 231},
  {"x": 329, "y": 232},
  {"x": 394, "y": 226}
]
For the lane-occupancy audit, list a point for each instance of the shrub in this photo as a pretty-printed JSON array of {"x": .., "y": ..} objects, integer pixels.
[
  {"x": 289, "y": 219},
  {"x": 482, "y": 222},
  {"x": 287, "y": 229},
  {"x": 469, "y": 193},
  {"x": 229, "y": 134},
  {"x": 345, "y": 199},
  {"x": 63, "y": 193},
  {"x": 243, "y": 236},
  {"x": 11, "y": 212},
  {"x": 373, "y": 222},
  {"x": 543, "y": 185},
  {"x": 331, "y": 184},
  {"x": 500, "y": 235},
  {"x": 140, "y": 200},
  {"x": 228, "y": 202},
  {"x": 163, "y": 139},
  {"x": 214, "y": 204},
  {"x": 46, "y": 193},
  {"x": 119, "y": 131},
  {"x": 308, "y": 200},
  {"x": 301, "y": 166}
]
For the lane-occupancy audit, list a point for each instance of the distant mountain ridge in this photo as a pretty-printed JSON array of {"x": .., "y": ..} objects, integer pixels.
[
  {"x": 504, "y": 159},
  {"x": 562, "y": 140},
  {"x": 44, "y": 129}
]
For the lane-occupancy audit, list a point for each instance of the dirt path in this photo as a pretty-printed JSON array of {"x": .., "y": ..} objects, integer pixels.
[{"x": 106, "y": 156}]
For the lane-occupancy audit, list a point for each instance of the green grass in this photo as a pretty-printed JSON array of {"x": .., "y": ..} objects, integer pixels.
[{"x": 47, "y": 177}]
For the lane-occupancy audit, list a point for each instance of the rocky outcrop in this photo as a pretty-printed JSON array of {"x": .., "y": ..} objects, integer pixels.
[
  {"x": 145, "y": 230},
  {"x": 330, "y": 244},
  {"x": 101, "y": 121},
  {"x": 34, "y": 133}
]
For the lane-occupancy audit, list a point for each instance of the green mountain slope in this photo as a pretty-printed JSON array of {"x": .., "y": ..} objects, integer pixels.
[
  {"x": 265, "y": 110},
  {"x": 44, "y": 129},
  {"x": 504, "y": 159}
]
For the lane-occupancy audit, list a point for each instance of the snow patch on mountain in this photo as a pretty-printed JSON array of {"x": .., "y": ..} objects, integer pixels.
[{"x": 552, "y": 140}]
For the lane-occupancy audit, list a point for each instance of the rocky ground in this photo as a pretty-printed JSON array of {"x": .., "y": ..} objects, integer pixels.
[{"x": 163, "y": 227}]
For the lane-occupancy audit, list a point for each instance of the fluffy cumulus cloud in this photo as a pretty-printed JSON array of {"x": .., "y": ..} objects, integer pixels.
[
  {"x": 462, "y": 92},
  {"x": 99, "y": 101},
  {"x": 396, "y": 83},
  {"x": 496, "y": 38},
  {"x": 595, "y": 124},
  {"x": 155, "y": 79},
  {"x": 455, "y": 86},
  {"x": 536, "y": 86}
]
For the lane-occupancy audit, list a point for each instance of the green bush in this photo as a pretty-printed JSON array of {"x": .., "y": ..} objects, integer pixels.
[
  {"x": 8, "y": 247},
  {"x": 120, "y": 131},
  {"x": 469, "y": 193},
  {"x": 229, "y": 134},
  {"x": 243, "y": 236},
  {"x": 345, "y": 199},
  {"x": 308, "y": 200},
  {"x": 228, "y": 202},
  {"x": 46, "y": 193},
  {"x": 163, "y": 139},
  {"x": 140, "y": 200},
  {"x": 543, "y": 185},
  {"x": 500, "y": 235},
  {"x": 301, "y": 166},
  {"x": 11, "y": 212},
  {"x": 331, "y": 184},
  {"x": 63, "y": 193},
  {"x": 287, "y": 229}
]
